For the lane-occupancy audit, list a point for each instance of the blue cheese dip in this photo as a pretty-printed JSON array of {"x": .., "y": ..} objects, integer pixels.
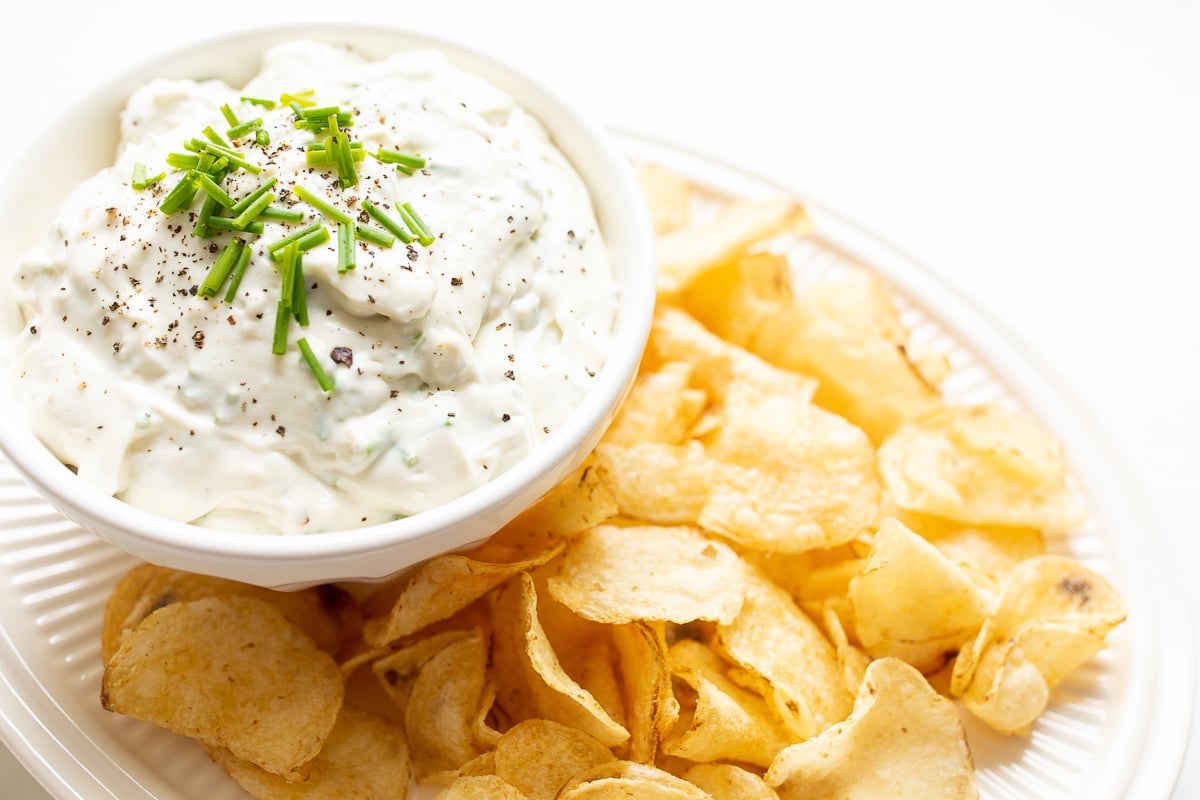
[{"x": 450, "y": 362}]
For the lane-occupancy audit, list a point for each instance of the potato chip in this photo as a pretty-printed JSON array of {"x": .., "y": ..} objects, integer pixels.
[
  {"x": 994, "y": 549},
  {"x": 530, "y": 681},
  {"x": 668, "y": 195},
  {"x": 326, "y": 613},
  {"x": 854, "y": 662},
  {"x": 720, "y": 721},
  {"x": 621, "y": 574},
  {"x": 718, "y": 364},
  {"x": 686, "y": 252},
  {"x": 651, "y": 708},
  {"x": 980, "y": 465},
  {"x": 661, "y": 483},
  {"x": 731, "y": 298},
  {"x": 912, "y": 602},
  {"x": 443, "y": 586},
  {"x": 622, "y": 780},
  {"x": 796, "y": 667},
  {"x": 660, "y": 407},
  {"x": 442, "y": 706},
  {"x": 727, "y": 782},
  {"x": 397, "y": 670},
  {"x": 792, "y": 478},
  {"x": 233, "y": 673},
  {"x": 481, "y": 787},
  {"x": 365, "y": 758},
  {"x": 1052, "y": 618},
  {"x": 580, "y": 502},
  {"x": 903, "y": 739},
  {"x": 539, "y": 756},
  {"x": 481, "y": 765}
]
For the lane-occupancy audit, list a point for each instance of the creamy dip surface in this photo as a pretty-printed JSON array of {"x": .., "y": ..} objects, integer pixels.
[{"x": 450, "y": 362}]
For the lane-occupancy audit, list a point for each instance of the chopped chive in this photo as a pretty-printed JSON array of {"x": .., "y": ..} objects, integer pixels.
[
  {"x": 248, "y": 200},
  {"x": 283, "y": 316},
  {"x": 323, "y": 158},
  {"x": 415, "y": 224},
  {"x": 346, "y": 242},
  {"x": 240, "y": 130},
  {"x": 139, "y": 176},
  {"x": 219, "y": 273},
  {"x": 331, "y": 122},
  {"x": 310, "y": 240},
  {"x": 226, "y": 224},
  {"x": 259, "y": 101},
  {"x": 374, "y": 235},
  {"x": 239, "y": 270},
  {"x": 206, "y": 210},
  {"x": 233, "y": 156},
  {"x": 262, "y": 138},
  {"x": 281, "y": 214},
  {"x": 228, "y": 114},
  {"x": 214, "y": 137},
  {"x": 182, "y": 161},
  {"x": 395, "y": 157},
  {"x": 405, "y": 170},
  {"x": 193, "y": 145},
  {"x": 298, "y": 98},
  {"x": 205, "y": 162},
  {"x": 274, "y": 247},
  {"x": 324, "y": 207},
  {"x": 205, "y": 183},
  {"x": 356, "y": 146},
  {"x": 344, "y": 159},
  {"x": 253, "y": 210},
  {"x": 386, "y": 221},
  {"x": 299, "y": 295},
  {"x": 182, "y": 195},
  {"x": 297, "y": 109},
  {"x": 291, "y": 254},
  {"x": 323, "y": 379},
  {"x": 322, "y": 112}
]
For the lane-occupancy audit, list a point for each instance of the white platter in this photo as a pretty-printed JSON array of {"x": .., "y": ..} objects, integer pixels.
[{"x": 1116, "y": 729}]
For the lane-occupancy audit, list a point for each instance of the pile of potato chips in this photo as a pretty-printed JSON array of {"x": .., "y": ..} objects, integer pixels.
[{"x": 739, "y": 596}]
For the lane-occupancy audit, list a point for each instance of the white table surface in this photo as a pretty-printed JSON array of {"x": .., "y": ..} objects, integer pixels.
[{"x": 1043, "y": 157}]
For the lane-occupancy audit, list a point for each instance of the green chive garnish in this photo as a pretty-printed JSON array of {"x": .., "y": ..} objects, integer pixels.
[
  {"x": 228, "y": 114},
  {"x": 141, "y": 180},
  {"x": 297, "y": 109},
  {"x": 281, "y": 214},
  {"x": 275, "y": 247},
  {"x": 325, "y": 208},
  {"x": 299, "y": 295},
  {"x": 346, "y": 242},
  {"x": 395, "y": 157},
  {"x": 240, "y": 130},
  {"x": 258, "y": 101},
  {"x": 323, "y": 379},
  {"x": 182, "y": 195},
  {"x": 381, "y": 216},
  {"x": 344, "y": 159},
  {"x": 291, "y": 254},
  {"x": 320, "y": 146},
  {"x": 219, "y": 273},
  {"x": 206, "y": 211},
  {"x": 248, "y": 200},
  {"x": 310, "y": 240},
  {"x": 374, "y": 235},
  {"x": 283, "y": 316},
  {"x": 415, "y": 224},
  {"x": 262, "y": 138},
  {"x": 226, "y": 224},
  {"x": 233, "y": 156},
  {"x": 214, "y": 137},
  {"x": 211, "y": 189},
  {"x": 182, "y": 161},
  {"x": 253, "y": 210},
  {"x": 239, "y": 270},
  {"x": 299, "y": 98}
]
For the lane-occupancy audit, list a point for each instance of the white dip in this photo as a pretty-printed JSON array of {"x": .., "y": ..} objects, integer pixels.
[{"x": 466, "y": 353}]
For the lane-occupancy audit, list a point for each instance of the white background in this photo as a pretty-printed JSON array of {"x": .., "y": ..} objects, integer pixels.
[{"x": 1042, "y": 157}]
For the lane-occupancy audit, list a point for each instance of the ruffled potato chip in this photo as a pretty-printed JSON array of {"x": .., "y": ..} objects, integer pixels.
[
  {"x": 539, "y": 757},
  {"x": 580, "y": 502},
  {"x": 1053, "y": 616},
  {"x": 443, "y": 704},
  {"x": 644, "y": 669},
  {"x": 622, "y": 780},
  {"x": 481, "y": 787},
  {"x": 902, "y": 739},
  {"x": 622, "y": 574},
  {"x": 660, "y": 483},
  {"x": 727, "y": 782},
  {"x": 912, "y": 602},
  {"x": 233, "y": 673},
  {"x": 366, "y": 758},
  {"x": 982, "y": 465},
  {"x": 786, "y": 657},
  {"x": 443, "y": 586},
  {"x": 668, "y": 194},
  {"x": 993, "y": 549},
  {"x": 792, "y": 477},
  {"x": 397, "y": 670},
  {"x": 720, "y": 720},
  {"x": 660, "y": 408}
]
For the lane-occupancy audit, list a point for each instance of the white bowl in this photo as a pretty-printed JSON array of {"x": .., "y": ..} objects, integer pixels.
[{"x": 83, "y": 140}]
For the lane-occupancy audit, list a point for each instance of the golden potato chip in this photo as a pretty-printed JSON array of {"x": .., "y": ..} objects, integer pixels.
[
  {"x": 231, "y": 672},
  {"x": 443, "y": 704},
  {"x": 622, "y": 780},
  {"x": 727, "y": 782},
  {"x": 994, "y": 549},
  {"x": 912, "y": 602},
  {"x": 481, "y": 765},
  {"x": 731, "y": 298},
  {"x": 443, "y": 586},
  {"x": 668, "y": 194},
  {"x": 580, "y": 502},
  {"x": 796, "y": 666},
  {"x": 621, "y": 574},
  {"x": 1052, "y": 617},
  {"x": 980, "y": 465},
  {"x": 397, "y": 670},
  {"x": 365, "y": 758},
  {"x": 718, "y": 364},
  {"x": 530, "y": 680},
  {"x": 792, "y": 477},
  {"x": 644, "y": 669},
  {"x": 902, "y": 740},
  {"x": 719, "y": 720},
  {"x": 854, "y": 662},
  {"x": 539, "y": 756},
  {"x": 481, "y": 787},
  {"x": 326, "y": 613},
  {"x": 686, "y": 252},
  {"x": 660, "y": 483},
  {"x": 660, "y": 407}
]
